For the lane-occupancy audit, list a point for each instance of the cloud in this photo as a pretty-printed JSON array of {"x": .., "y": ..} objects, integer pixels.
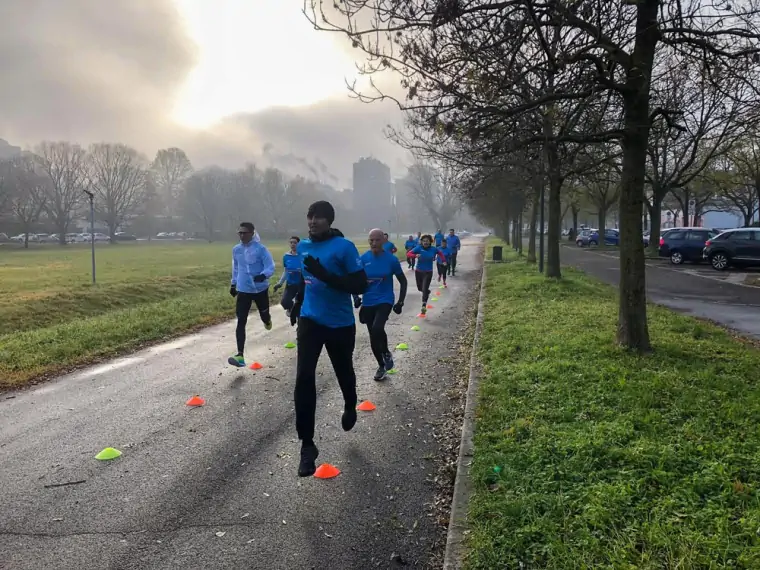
[{"x": 89, "y": 71}]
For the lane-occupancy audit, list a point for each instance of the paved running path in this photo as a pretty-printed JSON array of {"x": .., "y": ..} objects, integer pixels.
[{"x": 188, "y": 475}]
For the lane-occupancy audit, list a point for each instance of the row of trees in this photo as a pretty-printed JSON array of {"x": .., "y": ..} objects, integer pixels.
[
  {"x": 48, "y": 187},
  {"x": 630, "y": 102}
]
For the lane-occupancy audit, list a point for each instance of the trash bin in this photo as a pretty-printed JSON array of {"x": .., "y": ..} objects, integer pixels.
[{"x": 496, "y": 253}]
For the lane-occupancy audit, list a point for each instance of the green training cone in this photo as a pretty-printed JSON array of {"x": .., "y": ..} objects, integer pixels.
[
  {"x": 290, "y": 345},
  {"x": 391, "y": 371},
  {"x": 402, "y": 346},
  {"x": 107, "y": 454},
  {"x": 415, "y": 328}
]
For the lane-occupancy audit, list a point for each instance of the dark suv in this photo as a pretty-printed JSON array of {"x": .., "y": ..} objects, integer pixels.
[
  {"x": 738, "y": 247},
  {"x": 685, "y": 244}
]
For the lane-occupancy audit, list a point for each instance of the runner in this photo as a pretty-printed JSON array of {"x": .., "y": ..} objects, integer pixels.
[
  {"x": 291, "y": 275},
  {"x": 442, "y": 266},
  {"x": 252, "y": 266},
  {"x": 377, "y": 301},
  {"x": 454, "y": 244},
  {"x": 409, "y": 245},
  {"x": 438, "y": 238},
  {"x": 388, "y": 245},
  {"x": 425, "y": 254},
  {"x": 331, "y": 272}
]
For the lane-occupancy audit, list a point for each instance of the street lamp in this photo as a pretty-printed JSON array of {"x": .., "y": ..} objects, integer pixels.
[{"x": 92, "y": 230}]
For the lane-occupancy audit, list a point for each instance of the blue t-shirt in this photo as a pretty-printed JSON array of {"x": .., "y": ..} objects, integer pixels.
[
  {"x": 426, "y": 257},
  {"x": 438, "y": 239},
  {"x": 323, "y": 304},
  {"x": 410, "y": 244},
  {"x": 446, "y": 251},
  {"x": 454, "y": 242},
  {"x": 292, "y": 265},
  {"x": 380, "y": 270},
  {"x": 389, "y": 246}
]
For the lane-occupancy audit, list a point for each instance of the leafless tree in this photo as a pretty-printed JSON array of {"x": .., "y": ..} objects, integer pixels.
[
  {"x": 117, "y": 175},
  {"x": 64, "y": 164},
  {"x": 204, "y": 198},
  {"x": 170, "y": 170},
  {"x": 602, "y": 191},
  {"x": 436, "y": 189},
  {"x": 27, "y": 191}
]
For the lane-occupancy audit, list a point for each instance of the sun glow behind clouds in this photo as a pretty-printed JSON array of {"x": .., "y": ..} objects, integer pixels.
[{"x": 255, "y": 54}]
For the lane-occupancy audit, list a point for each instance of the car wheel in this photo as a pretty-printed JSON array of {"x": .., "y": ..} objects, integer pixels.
[
  {"x": 676, "y": 258},
  {"x": 592, "y": 243},
  {"x": 719, "y": 261}
]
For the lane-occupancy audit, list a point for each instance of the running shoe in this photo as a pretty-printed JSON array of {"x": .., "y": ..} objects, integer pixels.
[
  {"x": 424, "y": 309},
  {"x": 268, "y": 325},
  {"x": 388, "y": 359},
  {"x": 237, "y": 360},
  {"x": 348, "y": 420},
  {"x": 308, "y": 466},
  {"x": 380, "y": 374}
]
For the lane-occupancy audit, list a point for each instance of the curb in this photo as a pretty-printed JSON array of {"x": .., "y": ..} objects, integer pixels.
[{"x": 454, "y": 553}]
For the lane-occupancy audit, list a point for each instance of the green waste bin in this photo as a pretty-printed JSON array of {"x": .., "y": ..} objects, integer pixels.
[{"x": 497, "y": 250}]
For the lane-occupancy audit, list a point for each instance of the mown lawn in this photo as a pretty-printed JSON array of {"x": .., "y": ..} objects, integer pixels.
[
  {"x": 52, "y": 317},
  {"x": 589, "y": 457}
]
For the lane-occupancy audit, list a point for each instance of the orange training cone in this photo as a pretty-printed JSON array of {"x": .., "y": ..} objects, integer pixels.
[
  {"x": 421, "y": 315},
  {"x": 326, "y": 471},
  {"x": 196, "y": 401},
  {"x": 256, "y": 366},
  {"x": 366, "y": 406},
  {"x": 431, "y": 306}
]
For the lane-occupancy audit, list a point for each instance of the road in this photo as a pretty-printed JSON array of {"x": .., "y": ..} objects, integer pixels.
[
  {"x": 693, "y": 289},
  {"x": 216, "y": 486}
]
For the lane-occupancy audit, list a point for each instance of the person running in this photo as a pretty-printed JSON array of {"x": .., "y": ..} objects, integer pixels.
[
  {"x": 291, "y": 275},
  {"x": 438, "y": 238},
  {"x": 331, "y": 272},
  {"x": 454, "y": 244},
  {"x": 252, "y": 266},
  {"x": 426, "y": 254},
  {"x": 388, "y": 245},
  {"x": 378, "y": 300},
  {"x": 443, "y": 265},
  {"x": 418, "y": 238},
  {"x": 409, "y": 245}
]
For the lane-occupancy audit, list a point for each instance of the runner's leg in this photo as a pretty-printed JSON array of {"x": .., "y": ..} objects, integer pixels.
[
  {"x": 453, "y": 263},
  {"x": 367, "y": 316},
  {"x": 242, "y": 308},
  {"x": 310, "y": 338},
  {"x": 379, "y": 336},
  {"x": 339, "y": 343},
  {"x": 427, "y": 278},
  {"x": 287, "y": 296},
  {"x": 262, "y": 304}
]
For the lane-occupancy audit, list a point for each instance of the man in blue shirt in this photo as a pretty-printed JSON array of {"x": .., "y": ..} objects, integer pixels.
[
  {"x": 388, "y": 245},
  {"x": 378, "y": 300},
  {"x": 252, "y": 266},
  {"x": 426, "y": 255},
  {"x": 291, "y": 275},
  {"x": 409, "y": 245},
  {"x": 454, "y": 244},
  {"x": 331, "y": 272},
  {"x": 438, "y": 238}
]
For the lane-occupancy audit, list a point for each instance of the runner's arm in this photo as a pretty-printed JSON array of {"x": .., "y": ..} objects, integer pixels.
[
  {"x": 233, "y": 281},
  {"x": 268, "y": 270},
  {"x": 403, "y": 283}
]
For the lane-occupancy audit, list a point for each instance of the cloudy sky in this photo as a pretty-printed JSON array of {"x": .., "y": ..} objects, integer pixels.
[{"x": 219, "y": 78}]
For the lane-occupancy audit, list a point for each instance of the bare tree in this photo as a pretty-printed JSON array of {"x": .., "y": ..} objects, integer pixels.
[
  {"x": 117, "y": 175},
  {"x": 602, "y": 187},
  {"x": 170, "y": 170},
  {"x": 204, "y": 198},
  {"x": 436, "y": 189},
  {"x": 64, "y": 164},
  {"x": 27, "y": 191},
  {"x": 277, "y": 200}
]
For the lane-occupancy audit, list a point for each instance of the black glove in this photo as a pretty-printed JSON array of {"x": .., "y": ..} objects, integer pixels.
[
  {"x": 357, "y": 302},
  {"x": 397, "y": 307},
  {"x": 277, "y": 287},
  {"x": 233, "y": 290},
  {"x": 295, "y": 312},
  {"x": 314, "y": 267},
  {"x": 259, "y": 278}
]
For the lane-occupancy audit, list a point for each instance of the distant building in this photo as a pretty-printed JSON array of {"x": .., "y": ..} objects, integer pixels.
[{"x": 372, "y": 193}]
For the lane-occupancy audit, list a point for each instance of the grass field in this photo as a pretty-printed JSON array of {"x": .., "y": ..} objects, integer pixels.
[
  {"x": 590, "y": 457},
  {"x": 52, "y": 317}
]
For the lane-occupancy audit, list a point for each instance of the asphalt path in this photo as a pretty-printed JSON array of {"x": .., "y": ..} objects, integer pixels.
[
  {"x": 691, "y": 289},
  {"x": 216, "y": 486}
]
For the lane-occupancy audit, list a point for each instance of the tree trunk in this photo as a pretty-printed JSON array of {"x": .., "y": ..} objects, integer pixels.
[
  {"x": 534, "y": 221},
  {"x": 601, "y": 216},
  {"x": 26, "y": 239},
  {"x": 505, "y": 231},
  {"x": 576, "y": 211},
  {"x": 555, "y": 210},
  {"x": 519, "y": 223},
  {"x": 654, "y": 234}
]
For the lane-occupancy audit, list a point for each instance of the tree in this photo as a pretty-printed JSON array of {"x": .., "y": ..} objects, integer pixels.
[
  {"x": 64, "y": 164},
  {"x": 170, "y": 169},
  {"x": 436, "y": 190},
  {"x": 117, "y": 175},
  {"x": 27, "y": 191},
  {"x": 602, "y": 187},
  {"x": 204, "y": 198}
]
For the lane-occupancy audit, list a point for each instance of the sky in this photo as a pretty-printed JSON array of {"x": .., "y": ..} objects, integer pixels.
[{"x": 229, "y": 81}]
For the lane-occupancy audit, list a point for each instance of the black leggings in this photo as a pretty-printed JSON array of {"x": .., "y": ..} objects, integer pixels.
[
  {"x": 243, "y": 307},
  {"x": 339, "y": 343},
  {"x": 375, "y": 318},
  {"x": 423, "y": 283},
  {"x": 442, "y": 269},
  {"x": 453, "y": 263},
  {"x": 288, "y": 295}
]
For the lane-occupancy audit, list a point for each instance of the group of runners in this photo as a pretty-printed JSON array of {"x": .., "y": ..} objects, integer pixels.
[{"x": 325, "y": 279}]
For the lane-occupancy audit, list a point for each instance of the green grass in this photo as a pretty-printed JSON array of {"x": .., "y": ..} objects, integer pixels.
[
  {"x": 53, "y": 318},
  {"x": 605, "y": 459}
]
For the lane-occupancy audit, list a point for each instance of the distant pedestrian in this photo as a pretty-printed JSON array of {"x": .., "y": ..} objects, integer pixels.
[
  {"x": 409, "y": 245},
  {"x": 252, "y": 266},
  {"x": 388, "y": 245},
  {"x": 291, "y": 275},
  {"x": 438, "y": 237},
  {"x": 331, "y": 272},
  {"x": 454, "y": 244}
]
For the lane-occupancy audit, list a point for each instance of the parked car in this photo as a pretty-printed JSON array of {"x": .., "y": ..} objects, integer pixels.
[
  {"x": 685, "y": 244},
  {"x": 737, "y": 247},
  {"x": 123, "y": 236},
  {"x": 590, "y": 237}
]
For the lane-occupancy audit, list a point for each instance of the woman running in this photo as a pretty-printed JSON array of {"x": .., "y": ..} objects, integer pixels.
[
  {"x": 425, "y": 254},
  {"x": 409, "y": 245},
  {"x": 443, "y": 266},
  {"x": 378, "y": 300},
  {"x": 291, "y": 275}
]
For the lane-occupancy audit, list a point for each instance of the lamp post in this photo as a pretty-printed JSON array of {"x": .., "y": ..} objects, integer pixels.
[{"x": 91, "y": 196}]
